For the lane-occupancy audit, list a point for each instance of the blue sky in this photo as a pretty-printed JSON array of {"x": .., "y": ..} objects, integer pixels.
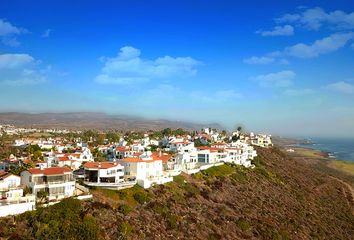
[{"x": 272, "y": 66}]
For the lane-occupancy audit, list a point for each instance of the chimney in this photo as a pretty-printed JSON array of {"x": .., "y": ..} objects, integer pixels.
[{"x": 160, "y": 153}]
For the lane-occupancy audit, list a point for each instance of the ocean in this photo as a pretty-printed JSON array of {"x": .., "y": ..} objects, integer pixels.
[{"x": 341, "y": 149}]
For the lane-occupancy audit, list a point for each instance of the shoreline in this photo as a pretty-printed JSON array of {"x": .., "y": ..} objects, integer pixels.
[{"x": 345, "y": 167}]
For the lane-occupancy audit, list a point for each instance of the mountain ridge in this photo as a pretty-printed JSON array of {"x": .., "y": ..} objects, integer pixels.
[{"x": 95, "y": 120}]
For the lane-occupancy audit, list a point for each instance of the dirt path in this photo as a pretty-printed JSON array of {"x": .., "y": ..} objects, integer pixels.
[{"x": 349, "y": 193}]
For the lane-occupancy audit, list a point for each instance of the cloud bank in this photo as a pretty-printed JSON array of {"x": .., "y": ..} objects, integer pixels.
[{"x": 129, "y": 68}]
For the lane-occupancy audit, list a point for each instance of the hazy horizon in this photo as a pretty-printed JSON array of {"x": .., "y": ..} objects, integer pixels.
[{"x": 276, "y": 67}]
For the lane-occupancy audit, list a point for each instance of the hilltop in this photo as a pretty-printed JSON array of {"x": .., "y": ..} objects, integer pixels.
[
  {"x": 95, "y": 120},
  {"x": 282, "y": 198}
]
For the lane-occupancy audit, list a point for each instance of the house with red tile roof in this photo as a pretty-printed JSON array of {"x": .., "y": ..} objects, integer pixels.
[
  {"x": 100, "y": 173},
  {"x": 147, "y": 169},
  {"x": 58, "y": 182}
]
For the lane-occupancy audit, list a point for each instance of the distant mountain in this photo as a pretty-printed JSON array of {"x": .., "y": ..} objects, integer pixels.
[{"x": 94, "y": 120}]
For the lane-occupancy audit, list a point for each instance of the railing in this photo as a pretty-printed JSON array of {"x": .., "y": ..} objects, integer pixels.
[
  {"x": 20, "y": 200},
  {"x": 120, "y": 184},
  {"x": 9, "y": 188}
]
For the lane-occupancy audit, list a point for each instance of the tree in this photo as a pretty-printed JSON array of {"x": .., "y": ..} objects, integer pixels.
[
  {"x": 37, "y": 155},
  {"x": 42, "y": 195},
  {"x": 167, "y": 132}
]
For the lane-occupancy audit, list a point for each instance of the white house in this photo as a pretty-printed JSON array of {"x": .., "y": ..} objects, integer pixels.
[
  {"x": 209, "y": 155},
  {"x": 261, "y": 140},
  {"x": 147, "y": 169},
  {"x": 103, "y": 172},
  {"x": 12, "y": 200},
  {"x": 68, "y": 162},
  {"x": 58, "y": 182},
  {"x": 181, "y": 146},
  {"x": 123, "y": 152},
  {"x": 10, "y": 189}
]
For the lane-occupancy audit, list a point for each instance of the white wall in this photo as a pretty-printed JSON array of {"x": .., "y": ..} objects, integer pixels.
[{"x": 13, "y": 209}]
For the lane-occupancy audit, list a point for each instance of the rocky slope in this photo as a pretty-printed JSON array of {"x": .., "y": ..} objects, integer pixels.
[{"x": 282, "y": 198}]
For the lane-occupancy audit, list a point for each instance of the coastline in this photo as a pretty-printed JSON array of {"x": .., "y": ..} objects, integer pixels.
[
  {"x": 344, "y": 166},
  {"x": 316, "y": 156},
  {"x": 341, "y": 170}
]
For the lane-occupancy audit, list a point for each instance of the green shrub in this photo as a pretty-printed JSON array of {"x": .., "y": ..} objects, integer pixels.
[
  {"x": 124, "y": 209},
  {"x": 141, "y": 197},
  {"x": 89, "y": 228},
  {"x": 172, "y": 221},
  {"x": 64, "y": 220},
  {"x": 218, "y": 171},
  {"x": 125, "y": 229},
  {"x": 191, "y": 189},
  {"x": 122, "y": 194},
  {"x": 160, "y": 209},
  {"x": 243, "y": 224},
  {"x": 179, "y": 179}
]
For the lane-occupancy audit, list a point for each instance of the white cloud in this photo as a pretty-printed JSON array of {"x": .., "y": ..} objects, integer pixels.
[
  {"x": 8, "y": 31},
  {"x": 12, "y": 61},
  {"x": 10, "y": 41},
  {"x": 6, "y": 28},
  {"x": 301, "y": 50},
  {"x": 322, "y": 46},
  {"x": 283, "y": 61},
  {"x": 259, "y": 60},
  {"x": 20, "y": 69},
  {"x": 227, "y": 94},
  {"x": 278, "y": 79},
  {"x": 315, "y": 18},
  {"x": 46, "y": 33},
  {"x": 298, "y": 92},
  {"x": 341, "y": 87},
  {"x": 129, "y": 68},
  {"x": 286, "y": 30},
  {"x": 288, "y": 18}
]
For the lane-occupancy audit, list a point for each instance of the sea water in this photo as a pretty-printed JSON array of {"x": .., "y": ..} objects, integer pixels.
[{"x": 341, "y": 149}]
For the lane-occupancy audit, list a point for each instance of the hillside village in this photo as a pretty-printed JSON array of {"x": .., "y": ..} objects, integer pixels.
[{"x": 44, "y": 170}]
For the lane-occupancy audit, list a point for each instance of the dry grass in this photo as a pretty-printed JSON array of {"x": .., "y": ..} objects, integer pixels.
[{"x": 344, "y": 166}]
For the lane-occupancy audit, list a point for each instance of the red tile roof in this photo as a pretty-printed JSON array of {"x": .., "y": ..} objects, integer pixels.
[
  {"x": 211, "y": 149},
  {"x": 136, "y": 160},
  {"x": 50, "y": 171},
  {"x": 63, "y": 158},
  {"x": 122, "y": 149},
  {"x": 100, "y": 165},
  {"x": 4, "y": 175},
  {"x": 164, "y": 157}
]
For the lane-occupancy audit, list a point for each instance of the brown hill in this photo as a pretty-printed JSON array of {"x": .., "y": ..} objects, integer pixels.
[
  {"x": 92, "y": 120},
  {"x": 282, "y": 198}
]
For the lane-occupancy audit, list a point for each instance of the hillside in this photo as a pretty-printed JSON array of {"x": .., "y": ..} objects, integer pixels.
[
  {"x": 282, "y": 198},
  {"x": 92, "y": 120}
]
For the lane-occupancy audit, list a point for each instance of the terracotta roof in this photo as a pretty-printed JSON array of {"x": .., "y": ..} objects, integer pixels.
[
  {"x": 63, "y": 158},
  {"x": 164, "y": 156},
  {"x": 180, "y": 142},
  {"x": 211, "y": 149},
  {"x": 101, "y": 165},
  {"x": 50, "y": 171},
  {"x": 122, "y": 149},
  {"x": 4, "y": 175},
  {"x": 134, "y": 159}
]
